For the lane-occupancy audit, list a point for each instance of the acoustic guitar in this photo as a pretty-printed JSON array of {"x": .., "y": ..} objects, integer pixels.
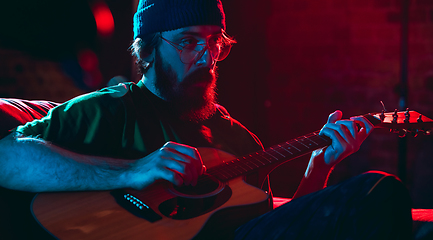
[{"x": 163, "y": 211}]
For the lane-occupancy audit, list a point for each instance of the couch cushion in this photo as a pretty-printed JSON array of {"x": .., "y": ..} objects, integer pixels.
[{"x": 15, "y": 112}]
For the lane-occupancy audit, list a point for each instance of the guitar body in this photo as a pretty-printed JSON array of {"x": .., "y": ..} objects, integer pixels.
[
  {"x": 97, "y": 215},
  {"x": 203, "y": 211}
]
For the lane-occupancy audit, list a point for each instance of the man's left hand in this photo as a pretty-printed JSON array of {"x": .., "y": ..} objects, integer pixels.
[{"x": 347, "y": 136}]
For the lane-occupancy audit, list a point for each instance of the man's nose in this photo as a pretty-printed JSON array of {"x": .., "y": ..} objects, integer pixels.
[{"x": 205, "y": 58}]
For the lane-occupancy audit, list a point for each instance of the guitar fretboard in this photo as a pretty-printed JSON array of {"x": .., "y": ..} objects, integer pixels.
[{"x": 273, "y": 155}]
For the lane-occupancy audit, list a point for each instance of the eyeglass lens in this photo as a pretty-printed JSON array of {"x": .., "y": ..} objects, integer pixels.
[{"x": 218, "y": 52}]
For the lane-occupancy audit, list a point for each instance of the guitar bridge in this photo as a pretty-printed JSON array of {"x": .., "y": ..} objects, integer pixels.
[{"x": 135, "y": 205}]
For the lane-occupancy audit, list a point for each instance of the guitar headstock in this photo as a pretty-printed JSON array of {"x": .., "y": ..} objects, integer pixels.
[{"x": 403, "y": 122}]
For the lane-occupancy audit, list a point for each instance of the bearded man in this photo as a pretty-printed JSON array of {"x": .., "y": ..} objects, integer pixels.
[{"x": 133, "y": 135}]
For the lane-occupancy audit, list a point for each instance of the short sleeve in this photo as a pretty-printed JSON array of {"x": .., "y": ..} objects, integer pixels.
[{"x": 87, "y": 124}]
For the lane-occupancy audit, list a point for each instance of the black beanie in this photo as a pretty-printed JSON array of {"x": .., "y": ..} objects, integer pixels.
[{"x": 165, "y": 15}]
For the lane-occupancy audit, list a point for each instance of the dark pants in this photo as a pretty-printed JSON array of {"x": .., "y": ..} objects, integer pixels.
[{"x": 370, "y": 206}]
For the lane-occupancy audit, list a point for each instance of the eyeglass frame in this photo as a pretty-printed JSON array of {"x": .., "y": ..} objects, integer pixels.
[{"x": 200, "y": 53}]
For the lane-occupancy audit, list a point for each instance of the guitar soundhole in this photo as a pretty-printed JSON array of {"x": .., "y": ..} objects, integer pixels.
[{"x": 209, "y": 194}]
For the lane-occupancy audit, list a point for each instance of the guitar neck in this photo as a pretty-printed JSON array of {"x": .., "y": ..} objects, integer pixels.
[
  {"x": 273, "y": 155},
  {"x": 407, "y": 121}
]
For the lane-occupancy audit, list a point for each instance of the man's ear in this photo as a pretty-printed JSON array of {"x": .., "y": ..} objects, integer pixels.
[{"x": 147, "y": 57}]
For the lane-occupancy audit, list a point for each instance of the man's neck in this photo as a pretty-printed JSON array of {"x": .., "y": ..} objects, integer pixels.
[{"x": 148, "y": 81}]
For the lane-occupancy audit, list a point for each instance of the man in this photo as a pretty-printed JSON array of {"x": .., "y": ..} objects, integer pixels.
[{"x": 131, "y": 135}]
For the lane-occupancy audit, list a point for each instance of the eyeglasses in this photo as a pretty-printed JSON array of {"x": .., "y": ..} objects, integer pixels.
[{"x": 191, "y": 51}]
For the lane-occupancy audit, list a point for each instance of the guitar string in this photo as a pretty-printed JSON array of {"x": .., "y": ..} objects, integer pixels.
[{"x": 244, "y": 164}]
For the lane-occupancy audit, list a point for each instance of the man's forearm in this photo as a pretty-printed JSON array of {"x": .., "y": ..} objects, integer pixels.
[
  {"x": 315, "y": 177},
  {"x": 29, "y": 164}
]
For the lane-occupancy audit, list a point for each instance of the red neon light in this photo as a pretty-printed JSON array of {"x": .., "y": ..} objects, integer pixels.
[
  {"x": 104, "y": 19},
  {"x": 88, "y": 60}
]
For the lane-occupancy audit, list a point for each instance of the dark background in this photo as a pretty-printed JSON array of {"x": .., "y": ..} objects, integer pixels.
[{"x": 295, "y": 62}]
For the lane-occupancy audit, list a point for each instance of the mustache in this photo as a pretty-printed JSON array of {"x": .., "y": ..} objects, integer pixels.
[{"x": 200, "y": 75}]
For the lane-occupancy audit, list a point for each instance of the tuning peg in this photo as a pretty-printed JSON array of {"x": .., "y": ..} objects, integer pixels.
[
  {"x": 402, "y": 133},
  {"x": 419, "y": 120},
  {"x": 414, "y": 132},
  {"x": 395, "y": 116},
  {"x": 383, "y": 106},
  {"x": 421, "y": 131},
  {"x": 382, "y": 116},
  {"x": 393, "y": 130},
  {"x": 407, "y": 116}
]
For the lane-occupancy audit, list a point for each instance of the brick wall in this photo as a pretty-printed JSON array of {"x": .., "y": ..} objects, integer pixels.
[
  {"x": 296, "y": 61},
  {"x": 333, "y": 54}
]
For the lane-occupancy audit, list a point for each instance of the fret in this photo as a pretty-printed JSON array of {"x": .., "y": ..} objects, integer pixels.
[
  {"x": 314, "y": 135},
  {"x": 234, "y": 166},
  {"x": 220, "y": 175},
  {"x": 285, "y": 149},
  {"x": 271, "y": 155},
  {"x": 236, "y": 169},
  {"x": 256, "y": 162},
  {"x": 324, "y": 138},
  {"x": 256, "y": 156},
  {"x": 310, "y": 139},
  {"x": 250, "y": 164},
  {"x": 256, "y": 166},
  {"x": 262, "y": 154},
  {"x": 260, "y": 161},
  {"x": 300, "y": 141},
  {"x": 288, "y": 146},
  {"x": 320, "y": 140},
  {"x": 291, "y": 144},
  {"x": 276, "y": 151},
  {"x": 280, "y": 150},
  {"x": 228, "y": 170},
  {"x": 309, "y": 142},
  {"x": 241, "y": 165}
]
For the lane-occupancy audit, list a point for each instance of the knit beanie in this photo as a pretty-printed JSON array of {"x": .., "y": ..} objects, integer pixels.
[{"x": 165, "y": 15}]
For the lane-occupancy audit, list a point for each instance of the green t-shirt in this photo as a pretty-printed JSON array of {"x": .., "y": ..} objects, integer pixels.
[{"x": 128, "y": 121}]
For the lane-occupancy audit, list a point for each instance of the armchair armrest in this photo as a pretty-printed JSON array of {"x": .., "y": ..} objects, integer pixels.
[{"x": 15, "y": 112}]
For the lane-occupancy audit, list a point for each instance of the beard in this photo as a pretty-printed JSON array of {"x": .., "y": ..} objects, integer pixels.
[{"x": 194, "y": 97}]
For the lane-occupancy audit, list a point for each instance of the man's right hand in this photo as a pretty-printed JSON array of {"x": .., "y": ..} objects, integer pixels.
[{"x": 174, "y": 162}]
